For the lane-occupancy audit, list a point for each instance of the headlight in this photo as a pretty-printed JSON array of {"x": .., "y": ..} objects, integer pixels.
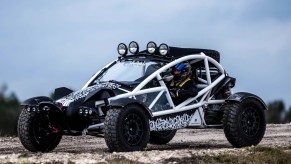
[
  {"x": 133, "y": 47},
  {"x": 122, "y": 49},
  {"x": 151, "y": 47},
  {"x": 163, "y": 49}
]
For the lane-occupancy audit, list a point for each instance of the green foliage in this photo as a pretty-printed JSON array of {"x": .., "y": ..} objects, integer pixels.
[
  {"x": 9, "y": 112},
  {"x": 287, "y": 116},
  {"x": 277, "y": 112}
]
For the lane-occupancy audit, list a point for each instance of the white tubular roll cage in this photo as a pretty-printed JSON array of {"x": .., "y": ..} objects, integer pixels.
[
  {"x": 190, "y": 103},
  {"x": 97, "y": 73}
]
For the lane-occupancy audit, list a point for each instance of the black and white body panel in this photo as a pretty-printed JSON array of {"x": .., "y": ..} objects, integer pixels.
[
  {"x": 86, "y": 89},
  {"x": 83, "y": 93}
]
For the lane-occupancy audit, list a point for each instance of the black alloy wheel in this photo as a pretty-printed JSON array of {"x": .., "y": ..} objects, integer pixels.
[
  {"x": 250, "y": 122},
  {"x": 133, "y": 129},
  {"x": 39, "y": 132},
  {"x": 46, "y": 131},
  {"x": 126, "y": 129},
  {"x": 244, "y": 122}
]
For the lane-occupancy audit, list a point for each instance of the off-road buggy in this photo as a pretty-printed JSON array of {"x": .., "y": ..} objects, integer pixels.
[{"x": 129, "y": 104}]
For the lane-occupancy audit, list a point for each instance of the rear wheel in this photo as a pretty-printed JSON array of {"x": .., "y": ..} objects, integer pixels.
[
  {"x": 39, "y": 131},
  {"x": 244, "y": 122},
  {"x": 162, "y": 137},
  {"x": 126, "y": 129}
]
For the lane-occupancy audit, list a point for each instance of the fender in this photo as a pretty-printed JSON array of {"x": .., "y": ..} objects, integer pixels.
[
  {"x": 99, "y": 94},
  {"x": 43, "y": 101},
  {"x": 128, "y": 101},
  {"x": 223, "y": 83},
  {"x": 45, "y": 104},
  {"x": 36, "y": 100},
  {"x": 240, "y": 96},
  {"x": 51, "y": 106}
]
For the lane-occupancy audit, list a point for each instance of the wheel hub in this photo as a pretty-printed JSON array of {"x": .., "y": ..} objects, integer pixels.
[
  {"x": 133, "y": 129},
  {"x": 250, "y": 121},
  {"x": 43, "y": 129}
]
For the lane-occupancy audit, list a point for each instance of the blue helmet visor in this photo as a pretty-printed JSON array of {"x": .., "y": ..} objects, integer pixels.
[{"x": 180, "y": 66}]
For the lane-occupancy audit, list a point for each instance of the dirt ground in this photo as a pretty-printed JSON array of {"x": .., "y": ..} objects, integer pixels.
[{"x": 186, "y": 143}]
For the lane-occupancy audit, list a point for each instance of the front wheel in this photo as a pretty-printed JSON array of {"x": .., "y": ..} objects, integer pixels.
[
  {"x": 39, "y": 132},
  {"x": 126, "y": 129},
  {"x": 244, "y": 122}
]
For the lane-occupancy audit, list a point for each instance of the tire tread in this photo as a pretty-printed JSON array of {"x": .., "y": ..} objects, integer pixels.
[{"x": 231, "y": 125}]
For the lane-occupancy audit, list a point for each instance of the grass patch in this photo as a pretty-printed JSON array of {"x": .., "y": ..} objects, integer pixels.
[
  {"x": 25, "y": 155},
  {"x": 121, "y": 160},
  {"x": 54, "y": 162},
  {"x": 268, "y": 150},
  {"x": 192, "y": 160},
  {"x": 71, "y": 162},
  {"x": 258, "y": 154}
]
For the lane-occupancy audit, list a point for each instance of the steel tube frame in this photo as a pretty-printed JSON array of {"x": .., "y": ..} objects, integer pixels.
[{"x": 187, "y": 104}]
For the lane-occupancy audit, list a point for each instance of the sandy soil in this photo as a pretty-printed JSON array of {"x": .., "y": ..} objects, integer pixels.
[{"x": 186, "y": 143}]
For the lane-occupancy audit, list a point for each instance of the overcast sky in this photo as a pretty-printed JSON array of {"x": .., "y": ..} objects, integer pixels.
[{"x": 49, "y": 44}]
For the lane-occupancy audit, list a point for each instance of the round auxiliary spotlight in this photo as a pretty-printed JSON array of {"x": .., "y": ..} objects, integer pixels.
[
  {"x": 133, "y": 47},
  {"x": 151, "y": 47},
  {"x": 122, "y": 49},
  {"x": 163, "y": 49}
]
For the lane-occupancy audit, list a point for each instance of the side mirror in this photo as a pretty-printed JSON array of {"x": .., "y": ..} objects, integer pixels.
[{"x": 168, "y": 78}]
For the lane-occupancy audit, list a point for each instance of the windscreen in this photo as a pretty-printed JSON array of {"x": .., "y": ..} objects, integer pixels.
[{"x": 129, "y": 71}]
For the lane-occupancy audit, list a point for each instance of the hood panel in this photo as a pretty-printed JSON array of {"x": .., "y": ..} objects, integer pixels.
[{"x": 84, "y": 92}]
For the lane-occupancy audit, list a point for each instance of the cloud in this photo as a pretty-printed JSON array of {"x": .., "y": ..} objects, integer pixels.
[{"x": 44, "y": 45}]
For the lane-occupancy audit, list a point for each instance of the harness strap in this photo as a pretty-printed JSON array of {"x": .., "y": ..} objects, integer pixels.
[
  {"x": 180, "y": 84},
  {"x": 183, "y": 83}
]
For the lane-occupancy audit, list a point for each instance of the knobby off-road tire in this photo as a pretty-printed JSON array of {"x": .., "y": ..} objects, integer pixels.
[
  {"x": 36, "y": 134},
  {"x": 162, "y": 137},
  {"x": 126, "y": 129},
  {"x": 244, "y": 122}
]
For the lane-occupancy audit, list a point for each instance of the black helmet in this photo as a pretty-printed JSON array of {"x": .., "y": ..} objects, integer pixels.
[{"x": 185, "y": 69}]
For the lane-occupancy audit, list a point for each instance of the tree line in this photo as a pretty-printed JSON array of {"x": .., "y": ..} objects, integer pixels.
[{"x": 10, "y": 110}]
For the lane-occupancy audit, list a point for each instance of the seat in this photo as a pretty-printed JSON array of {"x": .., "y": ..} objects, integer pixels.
[{"x": 150, "y": 69}]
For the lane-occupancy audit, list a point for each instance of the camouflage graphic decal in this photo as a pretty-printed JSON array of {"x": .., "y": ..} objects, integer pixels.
[
  {"x": 83, "y": 93},
  {"x": 170, "y": 123}
]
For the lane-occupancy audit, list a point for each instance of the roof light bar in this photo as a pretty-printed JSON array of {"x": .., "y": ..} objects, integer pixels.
[
  {"x": 133, "y": 47},
  {"x": 122, "y": 49},
  {"x": 164, "y": 49},
  {"x": 151, "y": 47}
]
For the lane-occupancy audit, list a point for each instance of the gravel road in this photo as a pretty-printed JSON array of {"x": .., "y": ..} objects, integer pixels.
[{"x": 187, "y": 142}]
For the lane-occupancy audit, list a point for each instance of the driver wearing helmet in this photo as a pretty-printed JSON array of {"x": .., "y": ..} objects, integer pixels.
[{"x": 182, "y": 87}]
